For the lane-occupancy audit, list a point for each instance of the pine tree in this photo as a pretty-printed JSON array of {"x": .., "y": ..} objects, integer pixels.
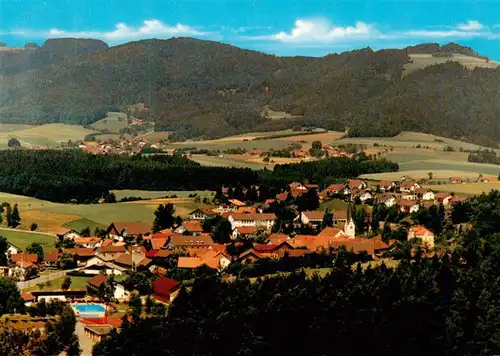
[{"x": 15, "y": 218}]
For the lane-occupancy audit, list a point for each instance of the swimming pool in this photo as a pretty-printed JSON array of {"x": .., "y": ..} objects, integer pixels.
[{"x": 89, "y": 309}]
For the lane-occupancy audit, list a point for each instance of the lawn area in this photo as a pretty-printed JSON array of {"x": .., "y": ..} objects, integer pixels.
[
  {"x": 23, "y": 239},
  {"x": 333, "y": 205},
  {"x": 77, "y": 283}
]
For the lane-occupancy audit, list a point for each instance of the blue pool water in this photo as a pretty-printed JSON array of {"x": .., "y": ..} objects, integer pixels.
[{"x": 89, "y": 308}]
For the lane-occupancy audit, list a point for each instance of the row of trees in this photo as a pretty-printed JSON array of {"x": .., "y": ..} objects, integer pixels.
[{"x": 74, "y": 176}]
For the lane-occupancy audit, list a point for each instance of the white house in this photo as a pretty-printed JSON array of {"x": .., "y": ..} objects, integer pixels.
[
  {"x": 407, "y": 187},
  {"x": 420, "y": 232},
  {"x": 388, "y": 199},
  {"x": 201, "y": 214},
  {"x": 258, "y": 220},
  {"x": 65, "y": 234},
  {"x": 12, "y": 249},
  {"x": 120, "y": 292},
  {"x": 97, "y": 264},
  {"x": 408, "y": 206},
  {"x": 386, "y": 185},
  {"x": 409, "y": 196},
  {"x": 428, "y": 195},
  {"x": 365, "y": 196}
]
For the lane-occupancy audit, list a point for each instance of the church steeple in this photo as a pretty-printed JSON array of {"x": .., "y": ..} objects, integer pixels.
[{"x": 350, "y": 228}]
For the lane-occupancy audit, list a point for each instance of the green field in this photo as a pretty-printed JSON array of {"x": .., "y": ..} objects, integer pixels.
[
  {"x": 46, "y": 136},
  {"x": 80, "y": 224},
  {"x": 23, "y": 239},
  {"x": 77, "y": 283},
  {"x": 112, "y": 123}
]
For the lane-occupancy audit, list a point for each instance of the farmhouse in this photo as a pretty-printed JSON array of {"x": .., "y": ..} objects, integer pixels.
[
  {"x": 408, "y": 206},
  {"x": 423, "y": 234},
  {"x": 387, "y": 185},
  {"x": 244, "y": 232},
  {"x": 80, "y": 254},
  {"x": 65, "y": 234},
  {"x": 408, "y": 186},
  {"x": 259, "y": 220},
  {"x": 94, "y": 283},
  {"x": 165, "y": 289},
  {"x": 121, "y": 230},
  {"x": 312, "y": 218},
  {"x": 386, "y": 198},
  {"x": 443, "y": 198},
  {"x": 201, "y": 214},
  {"x": 190, "y": 227},
  {"x": 356, "y": 184},
  {"x": 336, "y": 189},
  {"x": 88, "y": 242}
]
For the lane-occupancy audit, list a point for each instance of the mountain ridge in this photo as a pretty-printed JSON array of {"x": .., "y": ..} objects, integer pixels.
[{"x": 208, "y": 89}]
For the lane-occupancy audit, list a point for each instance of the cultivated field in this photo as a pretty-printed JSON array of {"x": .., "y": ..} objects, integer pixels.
[
  {"x": 423, "y": 60},
  {"x": 112, "y": 123},
  {"x": 465, "y": 188},
  {"x": 46, "y": 136}
]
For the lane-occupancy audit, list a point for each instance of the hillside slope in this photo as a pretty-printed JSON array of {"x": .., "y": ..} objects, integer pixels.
[{"x": 208, "y": 89}]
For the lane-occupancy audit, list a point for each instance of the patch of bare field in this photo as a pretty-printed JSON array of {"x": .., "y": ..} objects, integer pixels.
[{"x": 46, "y": 221}]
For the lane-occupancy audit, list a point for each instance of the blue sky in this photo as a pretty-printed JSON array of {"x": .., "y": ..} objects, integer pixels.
[{"x": 311, "y": 27}]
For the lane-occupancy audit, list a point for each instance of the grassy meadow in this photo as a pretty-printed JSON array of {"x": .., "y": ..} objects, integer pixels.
[
  {"x": 50, "y": 216},
  {"x": 423, "y": 60},
  {"x": 23, "y": 239},
  {"x": 46, "y": 136}
]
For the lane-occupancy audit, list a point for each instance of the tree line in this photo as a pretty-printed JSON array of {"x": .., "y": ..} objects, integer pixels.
[{"x": 75, "y": 176}]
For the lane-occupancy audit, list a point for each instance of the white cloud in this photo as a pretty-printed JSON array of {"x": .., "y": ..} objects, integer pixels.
[
  {"x": 442, "y": 34},
  {"x": 321, "y": 31},
  {"x": 471, "y": 25},
  {"x": 122, "y": 32}
]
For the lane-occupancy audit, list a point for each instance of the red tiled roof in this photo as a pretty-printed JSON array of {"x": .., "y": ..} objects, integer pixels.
[
  {"x": 133, "y": 228},
  {"x": 26, "y": 257},
  {"x": 164, "y": 285},
  {"x": 405, "y": 202},
  {"x": 282, "y": 196},
  {"x": 151, "y": 253},
  {"x": 420, "y": 230},
  {"x": 97, "y": 280},
  {"x": 261, "y": 248},
  {"x": 62, "y": 232},
  {"x": 86, "y": 240},
  {"x": 277, "y": 238},
  {"x": 331, "y": 231},
  {"x": 112, "y": 249},
  {"x": 158, "y": 243},
  {"x": 256, "y": 217},
  {"x": 113, "y": 321},
  {"x": 27, "y": 296},
  {"x": 190, "y": 241},
  {"x": 80, "y": 251},
  {"x": 163, "y": 254},
  {"x": 192, "y": 225},
  {"x": 314, "y": 215},
  {"x": 246, "y": 230},
  {"x": 51, "y": 256},
  {"x": 335, "y": 187},
  {"x": 107, "y": 242}
]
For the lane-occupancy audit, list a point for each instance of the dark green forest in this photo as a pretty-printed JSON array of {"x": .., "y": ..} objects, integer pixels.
[
  {"x": 441, "y": 305},
  {"x": 206, "y": 89},
  {"x": 74, "y": 176}
]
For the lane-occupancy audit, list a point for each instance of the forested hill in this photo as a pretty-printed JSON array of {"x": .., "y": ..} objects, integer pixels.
[{"x": 201, "y": 88}]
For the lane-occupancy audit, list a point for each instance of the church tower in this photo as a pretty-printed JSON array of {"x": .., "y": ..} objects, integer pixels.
[{"x": 349, "y": 228}]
